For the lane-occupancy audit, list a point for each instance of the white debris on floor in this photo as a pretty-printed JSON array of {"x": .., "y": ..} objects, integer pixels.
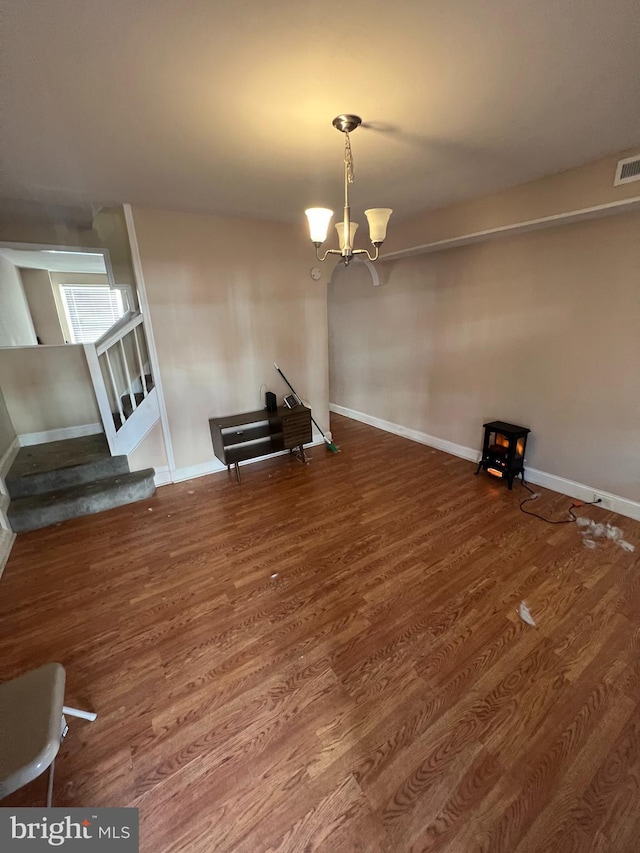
[
  {"x": 525, "y": 614},
  {"x": 591, "y": 531}
]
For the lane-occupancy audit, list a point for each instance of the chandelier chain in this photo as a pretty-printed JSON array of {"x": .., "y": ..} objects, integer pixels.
[{"x": 348, "y": 157}]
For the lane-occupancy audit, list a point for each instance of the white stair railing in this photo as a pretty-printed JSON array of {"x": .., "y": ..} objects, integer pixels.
[{"x": 124, "y": 387}]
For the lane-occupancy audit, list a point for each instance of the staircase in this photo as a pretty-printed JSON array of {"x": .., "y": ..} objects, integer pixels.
[
  {"x": 53, "y": 482},
  {"x": 127, "y": 398},
  {"x": 127, "y": 403}
]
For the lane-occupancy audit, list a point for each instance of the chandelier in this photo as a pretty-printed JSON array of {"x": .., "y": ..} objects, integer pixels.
[{"x": 319, "y": 217}]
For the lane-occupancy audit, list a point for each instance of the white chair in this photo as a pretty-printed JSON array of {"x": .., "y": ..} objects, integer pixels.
[{"x": 32, "y": 726}]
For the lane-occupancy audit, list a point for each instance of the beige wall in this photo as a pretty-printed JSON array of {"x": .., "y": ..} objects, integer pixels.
[
  {"x": 16, "y": 327},
  {"x": 150, "y": 453},
  {"x": 110, "y": 226},
  {"x": 541, "y": 329},
  {"x": 60, "y": 227},
  {"x": 7, "y": 432},
  {"x": 37, "y": 288},
  {"x": 576, "y": 189},
  {"x": 47, "y": 388},
  {"x": 228, "y": 298}
]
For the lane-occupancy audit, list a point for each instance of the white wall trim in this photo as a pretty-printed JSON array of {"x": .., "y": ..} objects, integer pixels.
[
  {"x": 623, "y": 506},
  {"x": 580, "y": 491},
  {"x": 28, "y": 438},
  {"x": 6, "y": 460},
  {"x": 148, "y": 325},
  {"x": 80, "y": 250},
  {"x": 211, "y": 466},
  {"x": 5, "y": 500},
  {"x": 102, "y": 398},
  {"x": 624, "y": 205},
  {"x": 162, "y": 476},
  {"x": 214, "y": 466},
  {"x": 7, "y": 538},
  {"x": 405, "y": 432},
  {"x": 137, "y": 425}
]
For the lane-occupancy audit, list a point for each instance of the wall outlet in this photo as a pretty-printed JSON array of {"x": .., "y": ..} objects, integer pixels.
[{"x": 604, "y": 500}]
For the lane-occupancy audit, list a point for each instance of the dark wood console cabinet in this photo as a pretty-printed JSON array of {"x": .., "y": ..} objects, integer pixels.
[{"x": 253, "y": 434}]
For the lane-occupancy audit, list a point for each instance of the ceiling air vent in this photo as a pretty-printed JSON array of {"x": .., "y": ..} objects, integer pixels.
[{"x": 627, "y": 170}]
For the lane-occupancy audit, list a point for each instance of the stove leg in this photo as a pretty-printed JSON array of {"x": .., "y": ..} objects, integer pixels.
[
  {"x": 510, "y": 481},
  {"x": 479, "y": 467}
]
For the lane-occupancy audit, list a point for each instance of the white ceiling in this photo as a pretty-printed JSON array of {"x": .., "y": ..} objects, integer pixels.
[
  {"x": 224, "y": 106},
  {"x": 56, "y": 261}
]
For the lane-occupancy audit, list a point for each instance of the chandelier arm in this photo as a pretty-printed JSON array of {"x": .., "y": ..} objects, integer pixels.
[
  {"x": 366, "y": 252},
  {"x": 328, "y": 252}
]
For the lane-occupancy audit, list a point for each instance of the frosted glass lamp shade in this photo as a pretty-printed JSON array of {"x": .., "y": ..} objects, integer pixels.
[
  {"x": 378, "y": 217},
  {"x": 353, "y": 227},
  {"x": 318, "y": 223}
]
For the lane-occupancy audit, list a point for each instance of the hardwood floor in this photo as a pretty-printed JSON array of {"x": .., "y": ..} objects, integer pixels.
[{"x": 330, "y": 657}]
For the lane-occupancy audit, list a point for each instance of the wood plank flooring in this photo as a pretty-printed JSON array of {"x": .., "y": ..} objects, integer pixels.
[{"x": 329, "y": 657}]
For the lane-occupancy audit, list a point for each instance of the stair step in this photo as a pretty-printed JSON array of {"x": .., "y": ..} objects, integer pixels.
[
  {"x": 59, "y": 454},
  {"x": 31, "y": 513},
  {"x": 61, "y": 478}
]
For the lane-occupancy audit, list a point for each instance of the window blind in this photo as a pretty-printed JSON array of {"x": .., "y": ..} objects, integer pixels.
[{"x": 90, "y": 310}]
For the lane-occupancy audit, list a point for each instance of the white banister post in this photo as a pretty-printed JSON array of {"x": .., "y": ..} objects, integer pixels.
[
  {"x": 132, "y": 398},
  {"x": 102, "y": 398},
  {"x": 115, "y": 388},
  {"x": 143, "y": 378}
]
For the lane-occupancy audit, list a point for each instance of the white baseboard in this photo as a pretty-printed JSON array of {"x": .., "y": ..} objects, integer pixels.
[
  {"x": 213, "y": 466},
  {"x": 580, "y": 491},
  {"x": 405, "y": 432},
  {"x": 7, "y": 538},
  {"x": 29, "y": 438},
  {"x": 162, "y": 476},
  {"x": 6, "y": 461},
  {"x": 623, "y": 506},
  {"x": 5, "y": 500}
]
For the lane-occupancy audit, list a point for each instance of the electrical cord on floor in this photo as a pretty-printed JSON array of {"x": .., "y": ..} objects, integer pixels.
[{"x": 535, "y": 496}]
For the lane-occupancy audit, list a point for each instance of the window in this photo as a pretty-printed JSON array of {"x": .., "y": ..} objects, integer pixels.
[{"x": 90, "y": 310}]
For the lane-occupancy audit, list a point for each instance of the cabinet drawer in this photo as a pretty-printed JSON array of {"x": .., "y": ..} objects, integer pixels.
[
  {"x": 300, "y": 433},
  {"x": 239, "y": 435},
  {"x": 296, "y": 427}
]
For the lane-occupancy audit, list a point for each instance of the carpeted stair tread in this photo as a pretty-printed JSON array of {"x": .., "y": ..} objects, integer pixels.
[
  {"x": 30, "y": 513},
  {"x": 51, "y": 455},
  {"x": 39, "y": 482}
]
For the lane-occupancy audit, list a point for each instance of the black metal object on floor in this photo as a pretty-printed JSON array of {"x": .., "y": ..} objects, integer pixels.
[{"x": 503, "y": 450}]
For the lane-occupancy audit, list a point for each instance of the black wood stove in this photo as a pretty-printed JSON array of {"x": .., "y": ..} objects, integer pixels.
[{"x": 503, "y": 450}]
